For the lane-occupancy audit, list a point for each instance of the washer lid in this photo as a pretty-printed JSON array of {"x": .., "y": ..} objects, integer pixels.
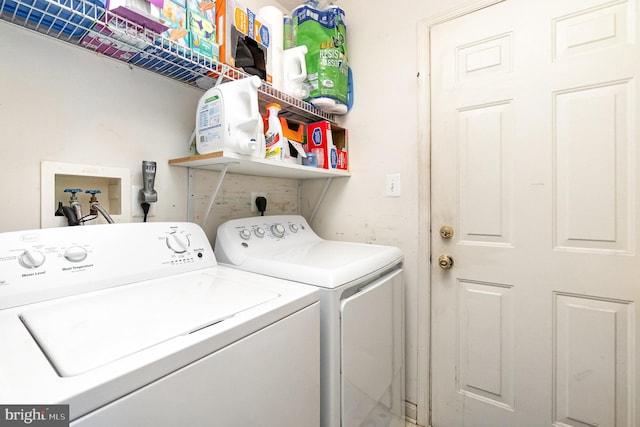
[
  {"x": 87, "y": 332},
  {"x": 325, "y": 263}
]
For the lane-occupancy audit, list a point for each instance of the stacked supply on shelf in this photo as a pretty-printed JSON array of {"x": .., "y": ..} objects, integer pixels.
[
  {"x": 228, "y": 120},
  {"x": 273, "y": 18},
  {"x": 245, "y": 39},
  {"x": 321, "y": 28},
  {"x": 147, "y": 33},
  {"x": 328, "y": 143},
  {"x": 284, "y": 140},
  {"x": 143, "y": 12}
]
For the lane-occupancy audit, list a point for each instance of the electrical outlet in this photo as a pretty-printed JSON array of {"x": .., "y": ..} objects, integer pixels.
[
  {"x": 392, "y": 187},
  {"x": 254, "y": 208}
]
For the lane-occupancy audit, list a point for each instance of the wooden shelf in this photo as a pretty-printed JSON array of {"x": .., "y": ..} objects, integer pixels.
[{"x": 248, "y": 165}]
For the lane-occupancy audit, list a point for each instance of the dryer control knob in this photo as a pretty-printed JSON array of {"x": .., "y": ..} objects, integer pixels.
[
  {"x": 31, "y": 259},
  {"x": 75, "y": 254},
  {"x": 277, "y": 230},
  {"x": 178, "y": 243},
  {"x": 245, "y": 233},
  {"x": 293, "y": 228},
  {"x": 259, "y": 232}
]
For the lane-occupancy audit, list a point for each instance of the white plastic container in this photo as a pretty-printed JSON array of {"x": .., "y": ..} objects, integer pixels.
[
  {"x": 295, "y": 72},
  {"x": 228, "y": 119}
]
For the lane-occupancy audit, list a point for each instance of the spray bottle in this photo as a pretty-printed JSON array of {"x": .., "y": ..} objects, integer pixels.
[
  {"x": 277, "y": 146},
  {"x": 295, "y": 72}
]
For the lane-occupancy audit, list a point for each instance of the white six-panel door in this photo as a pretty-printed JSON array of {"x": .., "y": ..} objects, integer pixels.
[{"x": 535, "y": 109}]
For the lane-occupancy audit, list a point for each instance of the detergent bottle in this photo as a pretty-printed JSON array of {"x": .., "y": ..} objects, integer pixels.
[
  {"x": 295, "y": 72},
  {"x": 277, "y": 146},
  {"x": 228, "y": 119}
]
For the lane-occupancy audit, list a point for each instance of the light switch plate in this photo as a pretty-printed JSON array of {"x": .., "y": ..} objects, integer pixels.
[{"x": 392, "y": 186}]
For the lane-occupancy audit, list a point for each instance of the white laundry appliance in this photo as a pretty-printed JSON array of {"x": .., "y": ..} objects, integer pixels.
[
  {"x": 137, "y": 325},
  {"x": 362, "y": 304}
]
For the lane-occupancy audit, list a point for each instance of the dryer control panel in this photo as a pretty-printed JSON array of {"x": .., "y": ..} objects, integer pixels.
[
  {"x": 37, "y": 265},
  {"x": 244, "y": 237}
]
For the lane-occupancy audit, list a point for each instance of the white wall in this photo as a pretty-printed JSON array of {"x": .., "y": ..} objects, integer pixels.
[
  {"x": 383, "y": 127},
  {"x": 63, "y": 104}
]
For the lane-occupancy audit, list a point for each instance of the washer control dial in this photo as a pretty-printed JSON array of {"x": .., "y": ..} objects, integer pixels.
[
  {"x": 178, "y": 243},
  {"x": 293, "y": 228},
  {"x": 259, "y": 232},
  {"x": 245, "y": 233},
  {"x": 278, "y": 230},
  {"x": 75, "y": 254},
  {"x": 31, "y": 259}
]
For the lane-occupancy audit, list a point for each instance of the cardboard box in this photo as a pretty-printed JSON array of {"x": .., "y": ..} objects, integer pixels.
[
  {"x": 244, "y": 39},
  {"x": 202, "y": 35},
  {"x": 293, "y": 131},
  {"x": 175, "y": 16},
  {"x": 206, "y": 8},
  {"x": 142, "y": 12},
  {"x": 329, "y": 143}
]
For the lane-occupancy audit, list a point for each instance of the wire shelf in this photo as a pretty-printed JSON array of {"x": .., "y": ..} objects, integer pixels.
[{"x": 87, "y": 24}]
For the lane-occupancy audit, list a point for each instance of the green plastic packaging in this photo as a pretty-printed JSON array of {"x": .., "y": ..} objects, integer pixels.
[{"x": 324, "y": 33}]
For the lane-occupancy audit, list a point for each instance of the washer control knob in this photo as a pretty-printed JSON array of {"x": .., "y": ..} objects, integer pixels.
[
  {"x": 245, "y": 233},
  {"x": 259, "y": 232},
  {"x": 178, "y": 243},
  {"x": 293, "y": 228},
  {"x": 277, "y": 230},
  {"x": 75, "y": 254},
  {"x": 31, "y": 259}
]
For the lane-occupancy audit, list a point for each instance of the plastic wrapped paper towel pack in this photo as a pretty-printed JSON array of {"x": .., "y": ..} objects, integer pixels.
[{"x": 323, "y": 32}]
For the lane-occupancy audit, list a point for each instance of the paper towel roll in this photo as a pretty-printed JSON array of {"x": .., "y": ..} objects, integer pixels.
[{"x": 275, "y": 19}]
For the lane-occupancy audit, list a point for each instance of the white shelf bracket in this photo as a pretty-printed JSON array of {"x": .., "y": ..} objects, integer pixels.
[
  {"x": 214, "y": 193},
  {"x": 327, "y": 183},
  {"x": 191, "y": 202}
]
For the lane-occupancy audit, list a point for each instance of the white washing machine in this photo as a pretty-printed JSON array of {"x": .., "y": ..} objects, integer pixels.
[
  {"x": 362, "y": 318},
  {"x": 137, "y": 325}
]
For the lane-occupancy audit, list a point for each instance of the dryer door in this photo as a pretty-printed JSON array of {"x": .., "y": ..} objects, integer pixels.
[{"x": 372, "y": 340}]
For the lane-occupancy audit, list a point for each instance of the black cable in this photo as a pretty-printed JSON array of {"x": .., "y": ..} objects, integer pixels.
[
  {"x": 261, "y": 204},
  {"x": 145, "y": 209}
]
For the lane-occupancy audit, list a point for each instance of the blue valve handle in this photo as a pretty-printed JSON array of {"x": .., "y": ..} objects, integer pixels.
[
  {"x": 93, "y": 191},
  {"x": 73, "y": 190}
]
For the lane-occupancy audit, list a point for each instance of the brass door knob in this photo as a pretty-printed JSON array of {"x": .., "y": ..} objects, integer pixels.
[
  {"x": 446, "y": 232},
  {"x": 445, "y": 262}
]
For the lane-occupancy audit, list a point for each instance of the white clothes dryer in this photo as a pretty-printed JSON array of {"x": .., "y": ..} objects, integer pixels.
[
  {"x": 136, "y": 324},
  {"x": 361, "y": 305}
]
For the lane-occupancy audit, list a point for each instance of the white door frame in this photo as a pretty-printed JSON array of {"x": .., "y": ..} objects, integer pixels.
[{"x": 423, "y": 411}]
